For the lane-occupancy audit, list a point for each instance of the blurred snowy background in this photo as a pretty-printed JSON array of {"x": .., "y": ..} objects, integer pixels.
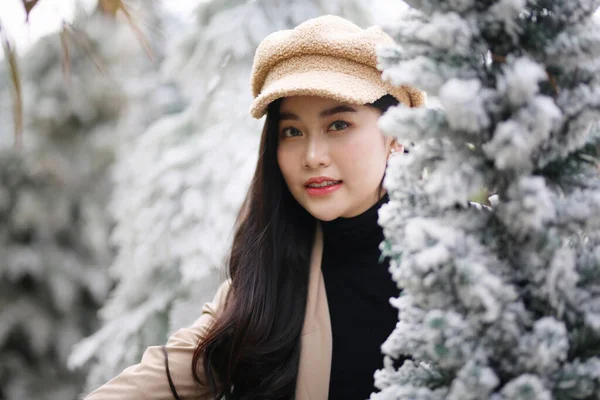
[{"x": 137, "y": 147}]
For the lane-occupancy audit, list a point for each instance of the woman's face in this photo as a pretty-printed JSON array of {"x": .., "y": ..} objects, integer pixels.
[{"x": 321, "y": 139}]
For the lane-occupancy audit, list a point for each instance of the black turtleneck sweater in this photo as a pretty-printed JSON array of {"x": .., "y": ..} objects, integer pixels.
[{"x": 358, "y": 287}]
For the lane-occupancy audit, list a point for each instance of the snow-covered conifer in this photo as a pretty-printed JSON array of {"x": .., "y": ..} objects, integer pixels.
[
  {"x": 499, "y": 302},
  {"x": 54, "y": 191}
]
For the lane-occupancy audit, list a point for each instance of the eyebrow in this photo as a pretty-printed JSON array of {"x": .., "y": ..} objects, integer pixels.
[{"x": 322, "y": 114}]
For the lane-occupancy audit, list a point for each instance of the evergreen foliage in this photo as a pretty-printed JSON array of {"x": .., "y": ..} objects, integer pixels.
[
  {"x": 54, "y": 191},
  {"x": 501, "y": 302}
]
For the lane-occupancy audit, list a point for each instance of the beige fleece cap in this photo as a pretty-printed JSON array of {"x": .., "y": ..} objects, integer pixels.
[{"x": 326, "y": 56}]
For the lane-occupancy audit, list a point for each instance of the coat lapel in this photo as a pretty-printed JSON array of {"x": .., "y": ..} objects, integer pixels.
[{"x": 315, "y": 354}]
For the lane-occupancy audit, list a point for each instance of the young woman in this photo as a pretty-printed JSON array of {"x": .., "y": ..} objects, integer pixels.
[{"x": 306, "y": 307}]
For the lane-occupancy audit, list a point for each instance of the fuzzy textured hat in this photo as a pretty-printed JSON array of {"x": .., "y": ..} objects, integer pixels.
[{"x": 326, "y": 56}]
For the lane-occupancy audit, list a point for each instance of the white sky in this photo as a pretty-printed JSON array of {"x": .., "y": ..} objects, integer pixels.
[{"x": 47, "y": 16}]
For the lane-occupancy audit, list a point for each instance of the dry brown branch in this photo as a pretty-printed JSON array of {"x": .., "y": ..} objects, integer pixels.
[
  {"x": 29, "y": 5},
  {"x": 497, "y": 58},
  {"x": 552, "y": 80},
  {"x": 112, "y": 7},
  {"x": 11, "y": 59},
  {"x": 66, "y": 59},
  {"x": 78, "y": 35},
  {"x": 137, "y": 31}
]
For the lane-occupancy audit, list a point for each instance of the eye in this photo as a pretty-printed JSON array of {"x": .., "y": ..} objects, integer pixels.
[
  {"x": 339, "y": 125},
  {"x": 290, "y": 132}
]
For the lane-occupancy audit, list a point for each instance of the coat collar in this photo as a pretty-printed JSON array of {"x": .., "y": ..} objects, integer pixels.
[{"x": 315, "y": 354}]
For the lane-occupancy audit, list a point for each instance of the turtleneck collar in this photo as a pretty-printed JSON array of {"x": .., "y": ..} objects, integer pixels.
[{"x": 355, "y": 237}]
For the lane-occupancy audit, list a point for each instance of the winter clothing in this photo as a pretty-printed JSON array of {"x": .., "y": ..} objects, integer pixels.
[
  {"x": 148, "y": 380},
  {"x": 362, "y": 312},
  {"x": 359, "y": 287},
  {"x": 326, "y": 56}
]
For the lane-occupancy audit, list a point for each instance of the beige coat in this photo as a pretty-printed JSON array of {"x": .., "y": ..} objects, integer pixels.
[{"x": 148, "y": 380}]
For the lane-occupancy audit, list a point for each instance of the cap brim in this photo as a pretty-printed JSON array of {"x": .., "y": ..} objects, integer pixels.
[{"x": 335, "y": 85}]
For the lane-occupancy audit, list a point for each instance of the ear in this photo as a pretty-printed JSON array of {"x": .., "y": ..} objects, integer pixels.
[
  {"x": 398, "y": 147},
  {"x": 393, "y": 144}
]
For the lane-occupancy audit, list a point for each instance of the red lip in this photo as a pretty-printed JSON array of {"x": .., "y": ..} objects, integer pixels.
[
  {"x": 320, "y": 179},
  {"x": 322, "y": 191}
]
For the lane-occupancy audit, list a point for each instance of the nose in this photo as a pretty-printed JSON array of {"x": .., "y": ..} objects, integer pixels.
[{"x": 316, "y": 153}]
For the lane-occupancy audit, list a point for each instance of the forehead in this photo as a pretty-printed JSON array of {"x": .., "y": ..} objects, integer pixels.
[{"x": 309, "y": 106}]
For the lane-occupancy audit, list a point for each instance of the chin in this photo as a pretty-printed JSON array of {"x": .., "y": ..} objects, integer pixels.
[{"x": 324, "y": 213}]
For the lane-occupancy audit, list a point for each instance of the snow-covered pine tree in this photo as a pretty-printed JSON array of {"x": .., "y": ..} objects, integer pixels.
[
  {"x": 54, "y": 226},
  {"x": 180, "y": 185},
  {"x": 501, "y": 302}
]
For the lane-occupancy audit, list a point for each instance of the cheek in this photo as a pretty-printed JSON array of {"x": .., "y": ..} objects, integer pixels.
[{"x": 363, "y": 160}]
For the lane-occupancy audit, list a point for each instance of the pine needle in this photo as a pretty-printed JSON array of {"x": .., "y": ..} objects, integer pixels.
[{"x": 11, "y": 58}]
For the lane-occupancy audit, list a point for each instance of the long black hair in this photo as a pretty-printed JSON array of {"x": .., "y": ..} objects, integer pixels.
[{"x": 253, "y": 347}]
